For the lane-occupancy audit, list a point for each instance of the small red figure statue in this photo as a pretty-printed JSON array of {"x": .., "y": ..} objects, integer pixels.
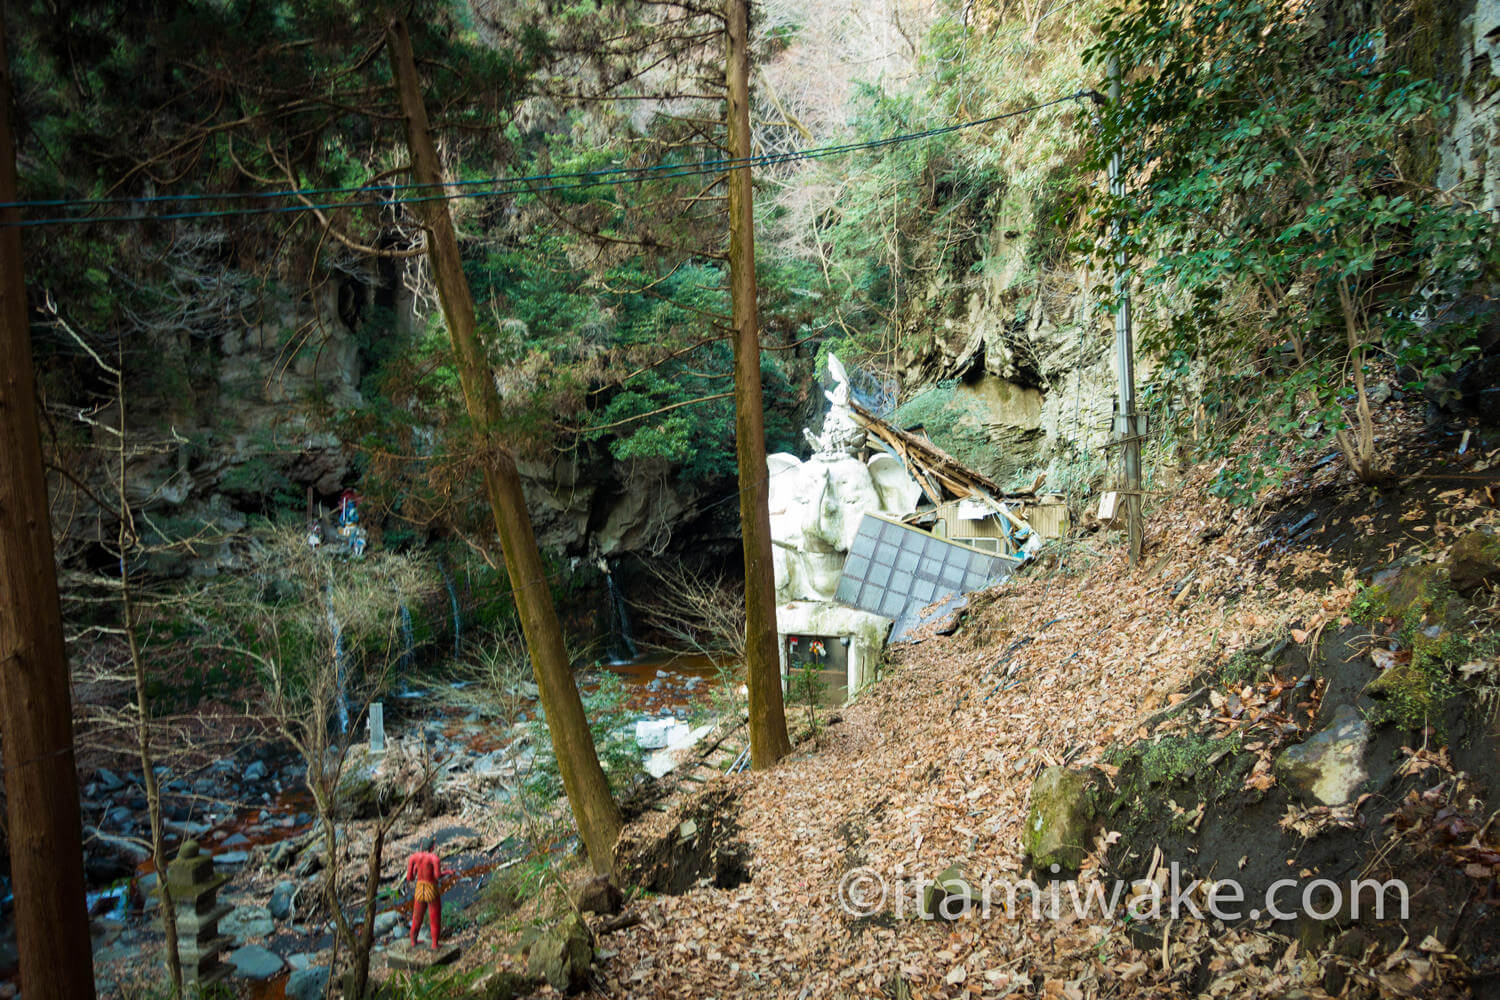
[{"x": 425, "y": 871}]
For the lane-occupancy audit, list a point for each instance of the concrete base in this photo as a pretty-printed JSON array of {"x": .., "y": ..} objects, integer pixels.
[{"x": 866, "y": 634}]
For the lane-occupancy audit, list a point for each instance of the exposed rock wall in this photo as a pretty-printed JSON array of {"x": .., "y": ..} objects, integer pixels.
[
  {"x": 242, "y": 420},
  {"x": 1470, "y": 152},
  {"x": 1010, "y": 365},
  {"x": 222, "y": 425}
]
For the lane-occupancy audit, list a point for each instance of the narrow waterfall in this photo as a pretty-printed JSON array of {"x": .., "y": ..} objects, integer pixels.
[
  {"x": 458, "y": 622},
  {"x": 341, "y": 706},
  {"x": 622, "y": 616},
  {"x": 407, "y": 643}
]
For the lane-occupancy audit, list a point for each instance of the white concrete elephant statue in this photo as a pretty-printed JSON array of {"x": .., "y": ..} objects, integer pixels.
[{"x": 816, "y": 507}]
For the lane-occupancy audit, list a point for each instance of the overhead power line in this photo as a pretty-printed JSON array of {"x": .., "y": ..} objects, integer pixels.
[{"x": 486, "y": 188}]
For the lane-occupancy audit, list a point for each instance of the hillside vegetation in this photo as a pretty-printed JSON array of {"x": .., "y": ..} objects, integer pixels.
[{"x": 277, "y": 493}]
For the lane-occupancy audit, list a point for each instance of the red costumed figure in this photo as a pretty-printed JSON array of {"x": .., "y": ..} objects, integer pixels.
[{"x": 425, "y": 871}]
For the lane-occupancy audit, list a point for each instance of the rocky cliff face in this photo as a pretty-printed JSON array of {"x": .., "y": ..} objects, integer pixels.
[
  {"x": 241, "y": 420},
  {"x": 1470, "y": 153},
  {"x": 611, "y": 508},
  {"x": 224, "y": 422},
  {"x": 1010, "y": 365},
  {"x": 1012, "y": 362}
]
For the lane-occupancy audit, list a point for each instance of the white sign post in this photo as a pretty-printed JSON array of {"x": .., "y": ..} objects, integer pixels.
[{"x": 376, "y": 723}]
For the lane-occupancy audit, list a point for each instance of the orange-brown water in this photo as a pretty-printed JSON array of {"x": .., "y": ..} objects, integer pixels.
[{"x": 674, "y": 691}]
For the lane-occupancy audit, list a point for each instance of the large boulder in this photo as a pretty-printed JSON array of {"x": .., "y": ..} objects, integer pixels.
[
  {"x": 562, "y": 954},
  {"x": 1421, "y": 586},
  {"x": 364, "y": 793},
  {"x": 1474, "y": 561},
  {"x": 1059, "y": 818},
  {"x": 1328, "y": 768}
]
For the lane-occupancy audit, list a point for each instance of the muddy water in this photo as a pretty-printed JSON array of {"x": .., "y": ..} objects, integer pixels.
[
  {"x": 271, "y": 989},
  {"x": 670, "y": 683}
]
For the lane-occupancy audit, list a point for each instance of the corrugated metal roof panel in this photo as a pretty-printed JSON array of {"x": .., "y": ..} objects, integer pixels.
[{"x": 894, "y": 566}]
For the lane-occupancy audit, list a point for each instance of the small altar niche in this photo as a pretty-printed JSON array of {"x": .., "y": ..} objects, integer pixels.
[{"x": 826, "y": 656}]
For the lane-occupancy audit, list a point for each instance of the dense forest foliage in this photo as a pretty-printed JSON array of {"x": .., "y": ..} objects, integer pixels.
[
  {"x": 602, "y": 302},
  {"x": 246, "y": 360}
]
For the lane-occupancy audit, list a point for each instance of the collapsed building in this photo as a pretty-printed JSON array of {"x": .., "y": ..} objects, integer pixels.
[{"x": 876, "y": 526}]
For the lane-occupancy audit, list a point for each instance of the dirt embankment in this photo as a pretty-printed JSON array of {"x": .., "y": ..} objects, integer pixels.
[{"x": 1184, "y": 689}]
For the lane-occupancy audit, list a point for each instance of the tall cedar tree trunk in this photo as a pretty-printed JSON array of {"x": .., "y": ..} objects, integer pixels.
[
  {"x": 36, "y": 711},
  {"x": 768, "y": 738},
  {"x": 594, "y": 809}
]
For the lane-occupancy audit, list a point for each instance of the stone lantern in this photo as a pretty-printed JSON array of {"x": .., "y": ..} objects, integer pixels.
[{"x": 195, "y": 889}]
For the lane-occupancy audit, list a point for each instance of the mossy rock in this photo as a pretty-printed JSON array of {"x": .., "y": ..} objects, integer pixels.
[
  {"x": 1474, "y": 561},
  {"x": 359, "y": 796},
  {"x": 1415, "y": 588},
  {"x": 1059, "y": 819},
  {"x": 1328, "y": 769},
  {"x": 524, "y": 941},
  {"x": 1411, "y": 694},
  {"x": 1417, "y": 597},
  {"x": 562, "y": 955},
  {"x": 503, "y": 984}
]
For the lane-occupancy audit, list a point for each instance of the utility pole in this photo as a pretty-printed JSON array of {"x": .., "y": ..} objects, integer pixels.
[
  {"x": 1129, "y": 426},
  {"x": 768, "y": 736},
  {"x": 36, "y": 710}
]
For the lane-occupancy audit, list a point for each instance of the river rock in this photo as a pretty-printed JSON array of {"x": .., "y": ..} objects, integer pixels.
[
  {"x": 307, "y": 984},
  {"x": 1329, "y": 767},
  {"x": 385, "y": 921},
  {"x": 231, "y": 858},
  {"x": 283, "y": 898},
  {"x": 247, "y": 922},
  {"x": 187, "y": 827},
  {"x": 491, "y": 765},
  {"x": 282, "y": 855},
  {"x": 121, "y": 846},
  {"x": 254, "y": 962},
  {"x": 310, "y": 865},
  {"x": 145, "y": 884},
  {"x": 1059, "y": 819},
  {"x": 255, "y": 771},
  {"x": 108, "y": 780}
]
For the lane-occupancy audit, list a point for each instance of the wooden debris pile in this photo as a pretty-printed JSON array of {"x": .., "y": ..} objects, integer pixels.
[{"x": 969, "y": 506}]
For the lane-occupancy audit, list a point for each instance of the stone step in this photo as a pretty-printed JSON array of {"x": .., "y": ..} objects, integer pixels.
[{"x": 404, "y": 956}]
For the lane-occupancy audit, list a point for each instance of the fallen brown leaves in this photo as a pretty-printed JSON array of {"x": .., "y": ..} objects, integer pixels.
[{"x": 933, "y": 765}]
